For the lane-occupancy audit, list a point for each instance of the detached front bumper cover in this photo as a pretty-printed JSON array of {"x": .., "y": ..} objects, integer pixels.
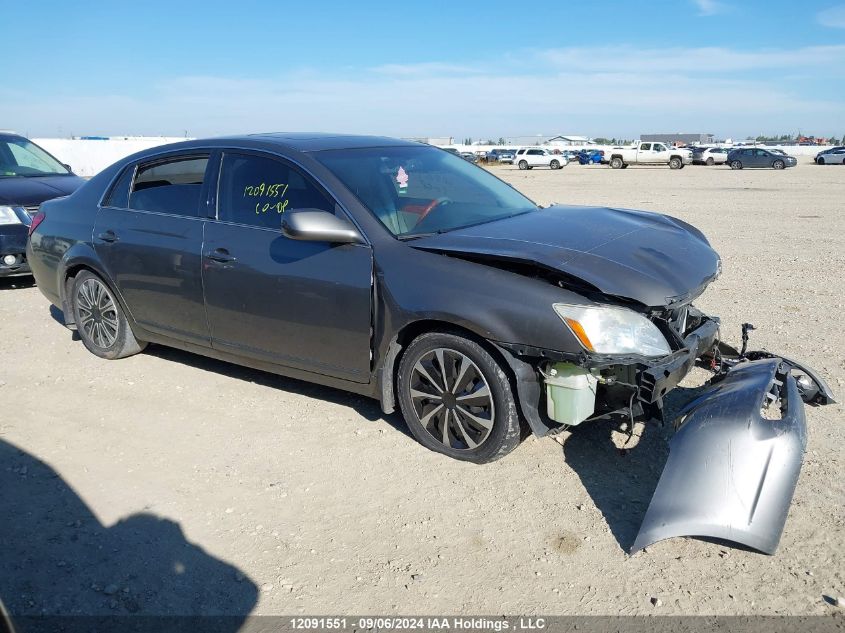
[{"x": 731, "y": 472}]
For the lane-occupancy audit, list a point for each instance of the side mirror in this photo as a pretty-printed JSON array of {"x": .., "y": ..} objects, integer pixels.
[
  {"x": 66, "y": 166},
  {"x": 313, "y": 225}
]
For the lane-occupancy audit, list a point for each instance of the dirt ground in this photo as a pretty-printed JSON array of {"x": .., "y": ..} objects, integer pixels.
[{"x": 169, "y": 483}]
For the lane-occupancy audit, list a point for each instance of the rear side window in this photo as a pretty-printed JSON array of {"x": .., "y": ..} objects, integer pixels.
[
  {"x": 257, "y": 190},
  {"x": 118, "y": 197},
  {"x": 645, "y": 146},
  {"x": 171, "y": 186}
]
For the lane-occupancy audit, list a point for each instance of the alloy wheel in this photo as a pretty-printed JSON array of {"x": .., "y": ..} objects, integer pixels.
[
  {"x": 97, "y": 313},
  {"x": 452, "y": 399}
]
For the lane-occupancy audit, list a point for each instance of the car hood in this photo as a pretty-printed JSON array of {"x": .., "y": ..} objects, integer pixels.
[
  {"x": 29, "y": 192},
  {"x": 646, "y": 257}
]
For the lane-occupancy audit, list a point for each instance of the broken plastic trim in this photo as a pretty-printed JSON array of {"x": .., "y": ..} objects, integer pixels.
[{"x": 731, "y": 473}]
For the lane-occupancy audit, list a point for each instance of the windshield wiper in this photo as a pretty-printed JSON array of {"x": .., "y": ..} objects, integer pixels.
[{"x": 414, "y": 236}]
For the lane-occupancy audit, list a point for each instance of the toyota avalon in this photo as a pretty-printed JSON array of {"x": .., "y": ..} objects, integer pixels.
[{"x": 403, "y": 272}]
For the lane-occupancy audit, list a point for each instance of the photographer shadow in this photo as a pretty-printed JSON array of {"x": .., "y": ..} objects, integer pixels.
[
  {"x": 61, "y": 569},
  {"x": 620, "y": 469}
]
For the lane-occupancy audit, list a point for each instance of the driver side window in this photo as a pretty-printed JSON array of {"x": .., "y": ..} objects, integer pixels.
[{"x": 257, "y": 190}]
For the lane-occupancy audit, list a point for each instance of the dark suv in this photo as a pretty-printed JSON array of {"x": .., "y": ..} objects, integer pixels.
[{"x": 28, "y": 177}]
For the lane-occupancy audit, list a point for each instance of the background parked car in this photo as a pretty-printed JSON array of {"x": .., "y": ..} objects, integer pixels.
[
  {"x": 836, "y": 157},
  {"x": 823, "y": 154},
  {"x": 28, "y": 177},
  {"x": 650, "y": 154},
  {"x": 590, "y": 157},
  {"x": 539, "y": 157},
  {"x": 469, "y": 156},
  {"x": 709, "y": 156},
  {"x": 759, "y": 157},
  {"x": 497, "y": 155}
]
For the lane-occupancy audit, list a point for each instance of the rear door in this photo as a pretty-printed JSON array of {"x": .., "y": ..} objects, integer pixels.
[
  {"x": 536, "y": 157},
  {"x": 306, "y": 305},
  {"x": 148, "y": 234}
]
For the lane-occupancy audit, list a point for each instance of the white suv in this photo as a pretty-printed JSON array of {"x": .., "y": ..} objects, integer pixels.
[{"x": 538, "y": 157}]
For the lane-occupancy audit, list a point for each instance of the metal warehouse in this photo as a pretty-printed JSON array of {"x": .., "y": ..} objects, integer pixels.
[{"x": 679, "y": 138}]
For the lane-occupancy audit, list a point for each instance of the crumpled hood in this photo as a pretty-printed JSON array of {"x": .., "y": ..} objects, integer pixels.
[
  {"x": 31, "y": 191},
  {"x": 650, "y": 258}
]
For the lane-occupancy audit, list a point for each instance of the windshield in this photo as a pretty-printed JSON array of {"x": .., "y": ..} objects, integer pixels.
[
  {"x": 21, "y": 158},
  {"x": 418, "y": 190}
]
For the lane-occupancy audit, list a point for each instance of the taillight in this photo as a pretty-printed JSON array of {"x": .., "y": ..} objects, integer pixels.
[{"x": 37, "y": 219}]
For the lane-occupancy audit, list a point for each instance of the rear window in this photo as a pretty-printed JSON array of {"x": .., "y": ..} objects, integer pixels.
[{"x": 171, "y": 186}]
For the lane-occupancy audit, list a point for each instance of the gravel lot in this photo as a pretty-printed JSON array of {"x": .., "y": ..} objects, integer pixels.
[{"x": 174, "y": 484}]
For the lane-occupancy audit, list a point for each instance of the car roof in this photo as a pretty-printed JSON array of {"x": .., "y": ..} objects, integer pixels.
[
  {"x": 318, "y": 141},
  {"x": 7, "y": 136}
]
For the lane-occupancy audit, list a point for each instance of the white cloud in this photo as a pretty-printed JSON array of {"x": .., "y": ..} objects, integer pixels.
[
  {"x": 710, "y": 7},
  {"x": 713, "y": 60},
  {"x": 833, "y": 17},
  {"x": 618, "y": 92},
  {"x": 431, "y": 68}
]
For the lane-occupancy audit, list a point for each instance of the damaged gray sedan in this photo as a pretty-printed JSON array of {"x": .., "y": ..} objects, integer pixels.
[{"x": 402, "y": 272}]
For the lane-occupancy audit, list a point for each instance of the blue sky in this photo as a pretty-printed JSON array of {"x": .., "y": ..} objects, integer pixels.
[{"x": 460, "y": 68}]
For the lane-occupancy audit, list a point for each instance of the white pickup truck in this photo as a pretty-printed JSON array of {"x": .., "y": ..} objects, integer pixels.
[{"x": 650, "y": 154}]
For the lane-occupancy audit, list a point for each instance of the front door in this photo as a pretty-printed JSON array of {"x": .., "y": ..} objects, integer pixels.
[
  {"x": 660, "y": 153},
  {"x": 148, "y": 234},
  {"x": 300, "y": 304}
]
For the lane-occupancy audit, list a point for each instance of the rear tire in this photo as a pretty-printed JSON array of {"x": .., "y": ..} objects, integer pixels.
[
  {"x": 554, "y": 164},
  {"x": 735, "y": 164},
  {"x": 616, "y": 163},
  {"x": 476, "y": 411},
  {"x": 99, "y": 319},
  {"x": 523, "y": 164},
  {"x": 778, "y": 164}
]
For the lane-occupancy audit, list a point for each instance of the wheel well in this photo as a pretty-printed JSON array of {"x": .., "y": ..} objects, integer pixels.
[
  {"x": 67, "y": 284},
  {"x": 417, "y": 328}
]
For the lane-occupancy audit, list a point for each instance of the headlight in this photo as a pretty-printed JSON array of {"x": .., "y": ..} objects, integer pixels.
[
  {"x": 612, "y": 330},
  {"x": 9, "y": 216}
]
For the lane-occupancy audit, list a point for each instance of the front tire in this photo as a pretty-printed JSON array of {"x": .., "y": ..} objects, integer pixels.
[
  {"x": 710, "y": 162},
  {"x": 778, "y": 164},
  {"x": 554, "y": 164},
  {"x": 523, "y": 164},
  {"x": 735, "y": 164},
  {"x": 675, "y": 163},
  {"x": 820, "y": 161},
  {"x": 457, "y": 399},
  {"x": 99, "y": 319}
]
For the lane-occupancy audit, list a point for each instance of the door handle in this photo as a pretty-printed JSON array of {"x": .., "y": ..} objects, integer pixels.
[
  {"x": 220, "y": 255},
  {"x": 107, "y": 236}
]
